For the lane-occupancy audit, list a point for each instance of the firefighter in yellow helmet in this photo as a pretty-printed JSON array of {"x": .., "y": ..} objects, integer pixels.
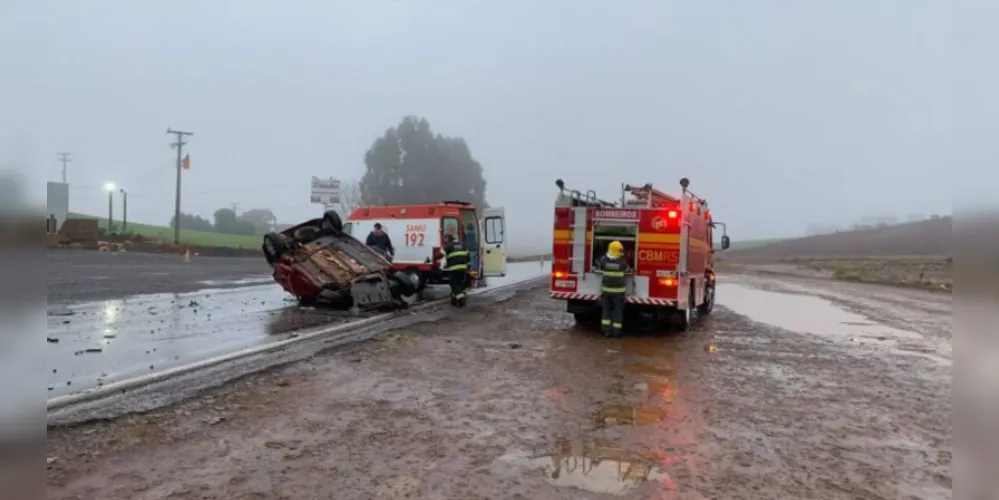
[{"x": 614, "y": 267}]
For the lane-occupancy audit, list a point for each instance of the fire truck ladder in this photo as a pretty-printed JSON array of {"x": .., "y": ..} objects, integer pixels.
[
  {"x": 580, "y": 204},
  {"x": 646, "y": 196}
]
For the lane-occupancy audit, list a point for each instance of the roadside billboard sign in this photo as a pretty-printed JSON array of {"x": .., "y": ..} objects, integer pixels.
[{"x": 325, "y": 191}]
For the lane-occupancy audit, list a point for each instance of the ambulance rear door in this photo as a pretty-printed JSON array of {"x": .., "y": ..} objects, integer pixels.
[{"x": 493, "y": 241}]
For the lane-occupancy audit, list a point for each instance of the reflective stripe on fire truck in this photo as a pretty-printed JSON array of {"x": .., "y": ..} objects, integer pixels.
[{"x": 596, "y": 296}]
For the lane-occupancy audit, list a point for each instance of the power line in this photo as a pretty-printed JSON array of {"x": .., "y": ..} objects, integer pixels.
[
  {"x": 180, "y": 159},
  {"x": 64, "y": 158}
]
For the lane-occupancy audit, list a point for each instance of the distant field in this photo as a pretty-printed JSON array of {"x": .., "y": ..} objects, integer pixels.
[
  {"x": 748, "y": 244},
  {"x": 929, "y": 238},
  {"x": 187, "y": 236},
  {"x": 914, "y": 254}
]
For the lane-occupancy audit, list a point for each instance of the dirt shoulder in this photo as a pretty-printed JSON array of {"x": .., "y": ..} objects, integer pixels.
[{"x": 513, "y": 401}]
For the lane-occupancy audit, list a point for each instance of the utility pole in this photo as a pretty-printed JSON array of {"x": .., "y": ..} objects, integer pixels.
[
  {"x": 110, "y": 211},
  {"x": 124, "y": 211},
  {"x": 180, "y": 159},
  {"x": 235, "y": 207},
  {"x": 64, "y": 158}
]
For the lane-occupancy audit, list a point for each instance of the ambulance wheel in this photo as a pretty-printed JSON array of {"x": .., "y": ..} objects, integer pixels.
[
  {"x": 417, "y": 279},
  {"x": 403, "y": 289},
  {"x": 709, "y": 301}
]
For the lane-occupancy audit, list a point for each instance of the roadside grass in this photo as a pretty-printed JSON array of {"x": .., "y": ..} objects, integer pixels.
[
  {"x": 919, "y": 272},
  {"x": 187, "y": 236}
]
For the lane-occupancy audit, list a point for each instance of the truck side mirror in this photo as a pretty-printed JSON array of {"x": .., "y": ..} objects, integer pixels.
[{"x": 725, "y": 242}]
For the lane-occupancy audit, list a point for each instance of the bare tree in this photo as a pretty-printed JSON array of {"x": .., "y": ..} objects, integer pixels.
[{"x": 350, "y": 196}]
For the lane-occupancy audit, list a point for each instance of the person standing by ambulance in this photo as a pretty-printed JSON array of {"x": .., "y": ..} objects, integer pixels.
[
  {"x": 456, "y": 264},
  {"x": 612, "y": 288},
  {"x": 379, "y": 239}
]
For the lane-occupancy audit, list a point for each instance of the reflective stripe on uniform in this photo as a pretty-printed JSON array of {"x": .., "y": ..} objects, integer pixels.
[
  {"x": 607, "y": 289},
  {"x": 617, "y": 325},
  {"x": 614, "y": 274},
  {"x": 457, "y": 267},
  {"x": 460, "y": 295},
  {"x": 457, "y": 253},
  {"x": 605, "y": 322}
]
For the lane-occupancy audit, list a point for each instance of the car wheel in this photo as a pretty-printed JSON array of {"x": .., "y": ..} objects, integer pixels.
[
  {"x": 274, "y": 247},
  {"x": 333, "y": 221}
]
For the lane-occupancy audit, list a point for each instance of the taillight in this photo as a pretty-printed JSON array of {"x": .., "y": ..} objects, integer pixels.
[
  {"x": 667, "y": 282},
  {"x": 672, "y": 214},
  {"x": 559, "y": 274}
]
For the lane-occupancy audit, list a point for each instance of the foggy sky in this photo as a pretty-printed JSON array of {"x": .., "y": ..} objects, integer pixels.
[{"x": 781, "y": 113}]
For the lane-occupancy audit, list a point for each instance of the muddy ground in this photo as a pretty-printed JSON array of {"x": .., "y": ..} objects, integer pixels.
[{"x": 810, "y": 399}]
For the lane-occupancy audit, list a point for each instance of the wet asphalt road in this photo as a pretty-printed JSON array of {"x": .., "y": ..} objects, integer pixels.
[
  {"x": 99, "y": 342},
  {"x": 82, "y": 275},
  {"x": 793, "y": 389}
]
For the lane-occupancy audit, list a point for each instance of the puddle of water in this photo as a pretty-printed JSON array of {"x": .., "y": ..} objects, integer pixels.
[
  {"x": 804, "y": 314},
  {"x": 245, "y": 281},
  {"x": 594, "y": 468},
  {"x": 616, "y": 415},
  {"x": 647, "y": 369}
]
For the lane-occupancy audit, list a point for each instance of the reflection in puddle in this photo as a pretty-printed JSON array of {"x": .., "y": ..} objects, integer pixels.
[
  {"x": 644, "y": 369},
  {"x": 613, "y": 415},
  {"x": 599, "y": 469}
]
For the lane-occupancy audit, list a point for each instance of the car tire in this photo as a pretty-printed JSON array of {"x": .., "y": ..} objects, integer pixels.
[
  {"x": 332, "y": 220},
  {"x": 274, "y": 247}
]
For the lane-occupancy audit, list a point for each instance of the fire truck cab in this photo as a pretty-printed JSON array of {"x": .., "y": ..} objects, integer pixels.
[
  {"x": 668, "y": 241},
  {"x": 417, "y": 233}
]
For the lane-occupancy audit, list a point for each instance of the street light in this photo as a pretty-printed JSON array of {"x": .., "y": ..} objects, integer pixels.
[{"x": 109, "y": 186}]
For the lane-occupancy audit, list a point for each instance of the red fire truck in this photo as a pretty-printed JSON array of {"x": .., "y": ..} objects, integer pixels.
[{"x": 668, "y": 241}]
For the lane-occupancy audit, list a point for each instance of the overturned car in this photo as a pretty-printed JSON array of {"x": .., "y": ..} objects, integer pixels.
[{"x": 318, "y": 263}]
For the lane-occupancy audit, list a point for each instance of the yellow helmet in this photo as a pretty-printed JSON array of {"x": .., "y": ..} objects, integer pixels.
[{"x": 616, "y": 249}]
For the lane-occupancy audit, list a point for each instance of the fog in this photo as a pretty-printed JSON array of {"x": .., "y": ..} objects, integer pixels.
[{"x": 782, "y": 114}]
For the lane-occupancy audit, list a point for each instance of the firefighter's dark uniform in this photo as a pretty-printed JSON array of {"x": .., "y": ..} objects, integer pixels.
[
  {"x": 612, "y": 290},
  {"x": 456, "y": 263}
]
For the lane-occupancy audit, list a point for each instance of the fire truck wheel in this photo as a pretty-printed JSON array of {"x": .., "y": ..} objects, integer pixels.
[
  {"x": 586, "y": 319},
  {"x": 685, "y": 317},
  {"x": 709, "y": 301}
]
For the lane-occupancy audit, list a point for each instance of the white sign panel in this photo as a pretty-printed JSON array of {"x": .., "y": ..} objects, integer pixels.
[{"x": 325, "y": 191}]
